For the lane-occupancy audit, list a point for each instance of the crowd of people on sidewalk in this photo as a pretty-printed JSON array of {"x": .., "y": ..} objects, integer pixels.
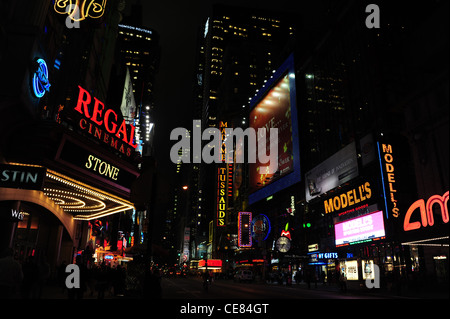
[
  {"x": 28, "y": 279},
  {"x": 98, "y": 281},
  {"x": 25, "y": 279}
]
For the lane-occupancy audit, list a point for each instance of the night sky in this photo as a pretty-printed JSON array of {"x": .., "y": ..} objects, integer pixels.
[{"x": 177, "y": 23}]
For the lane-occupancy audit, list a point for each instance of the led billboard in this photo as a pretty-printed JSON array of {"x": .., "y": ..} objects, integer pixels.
[
  {"x": 274, "y": 106},
  {"x": 361, "y": 229}
]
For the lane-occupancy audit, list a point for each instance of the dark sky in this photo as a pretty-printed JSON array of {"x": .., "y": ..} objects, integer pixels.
[{"x": 177, "y": 23}]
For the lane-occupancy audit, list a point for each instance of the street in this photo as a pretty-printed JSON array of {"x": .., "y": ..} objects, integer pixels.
[{"x": 191, "y": 288}]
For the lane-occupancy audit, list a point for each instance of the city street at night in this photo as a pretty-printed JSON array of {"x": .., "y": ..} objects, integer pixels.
[
  {"x": 225, "y": 157},
  {"x": 192, "y": 288}
]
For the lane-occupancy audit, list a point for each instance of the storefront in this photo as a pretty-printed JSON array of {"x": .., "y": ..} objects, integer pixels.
[
  {"x": 424, "y": 236},
  {"x": 47, "y": 204}
]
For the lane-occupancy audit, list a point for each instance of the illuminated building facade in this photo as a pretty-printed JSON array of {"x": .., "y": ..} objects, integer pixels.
[
  {"x": 238, "y": 49},
  {"x": 358, "y": 93},
  {"x": 139, "y": 50},
  {"x": 67, "y": 137}
]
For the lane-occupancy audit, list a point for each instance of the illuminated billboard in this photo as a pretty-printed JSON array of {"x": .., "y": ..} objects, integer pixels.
[
  {"x": 336, "y": 170},
  {"x": 359, "y": 230},
  {"x": 274, "y": 106},
  {"x": 244, "y": 231}
]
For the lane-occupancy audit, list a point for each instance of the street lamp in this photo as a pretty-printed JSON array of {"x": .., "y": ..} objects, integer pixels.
[{"x": 185, "y": 187}]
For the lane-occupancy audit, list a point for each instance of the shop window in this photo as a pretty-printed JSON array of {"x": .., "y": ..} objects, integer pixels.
[
  {"x": 34, "y": 224},
  {"x": 23, "y": 223}
]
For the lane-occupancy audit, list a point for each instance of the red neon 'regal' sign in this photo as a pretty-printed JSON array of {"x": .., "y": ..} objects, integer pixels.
[
  {"x": 426, "y": 212},
  {"x": 107, "y": 119}
]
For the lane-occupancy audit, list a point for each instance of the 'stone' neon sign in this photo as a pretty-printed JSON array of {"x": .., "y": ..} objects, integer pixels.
[
  {"x": 40, "y": 81},
  {"x": 101, "y": 167},
  {"x": 426, "y": 212},
  {"x": 78, "y": 10},
  {"x": 107, "y": 124}
]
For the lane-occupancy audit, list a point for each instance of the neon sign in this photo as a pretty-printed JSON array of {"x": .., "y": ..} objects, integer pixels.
[
  {"x": 286, "y": 232},
  {"x": 78, "y": 10},
  {"x": 389, "y": 167},
  {"x": 107, "y": 123},
  {"x": 40, "y": 82},
  {"x": 221, "y": 196},
  {"x": 260, "y": 227},
  {"x": 350, "y": 198},
  {"x": 103, "y": 168},
  {"x": 244, "y": 231},
  {"x": 210, "y": 263},
  {"x": 426, "y": 212}
]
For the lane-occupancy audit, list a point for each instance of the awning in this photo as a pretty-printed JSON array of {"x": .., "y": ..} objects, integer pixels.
[{"x": 83, "y": 201}]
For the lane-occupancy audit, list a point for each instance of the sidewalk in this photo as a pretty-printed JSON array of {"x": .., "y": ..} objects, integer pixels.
[
  {"x": 438, "y": 292},
  {"x": 52, "y": 291}
]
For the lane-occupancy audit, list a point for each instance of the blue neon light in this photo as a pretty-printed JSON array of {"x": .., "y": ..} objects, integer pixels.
[
  {"x": 40, "y": 79},
  {"x": 268, "y": 223}
]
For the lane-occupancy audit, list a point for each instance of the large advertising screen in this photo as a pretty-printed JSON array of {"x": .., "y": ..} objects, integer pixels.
[
  {"x": 334, "y": 171},
  {"x": 275, "y": 107},
  {"x": 361, "y": 229}
]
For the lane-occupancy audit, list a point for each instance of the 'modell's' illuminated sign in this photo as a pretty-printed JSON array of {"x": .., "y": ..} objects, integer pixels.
[
  {"x": 387, "y": 164},
  {"x": 106, "y": 128},
  {"x": 347, "y": 199}
]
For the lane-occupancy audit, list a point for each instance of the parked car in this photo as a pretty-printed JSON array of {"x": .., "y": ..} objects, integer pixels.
[{"x": 243, "y": 275}]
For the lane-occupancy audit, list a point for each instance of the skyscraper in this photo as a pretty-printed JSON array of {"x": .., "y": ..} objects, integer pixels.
[{"x": 238, "y": 50}]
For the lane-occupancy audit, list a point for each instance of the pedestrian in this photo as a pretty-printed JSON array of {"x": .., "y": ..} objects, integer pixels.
[
  {"x": 11, "y": 275},
  {"x": 78, "y": 293},
  {"x": 119, "y": 281},
  {"x": 308, "y": 278},
  {"x": 343, "y": 282},
  {"x": 43, "y": 276},
  {"x": 61, "y": 275},
  {"x": 102, "y": 281},
  {"x": 30, "y": 278}
]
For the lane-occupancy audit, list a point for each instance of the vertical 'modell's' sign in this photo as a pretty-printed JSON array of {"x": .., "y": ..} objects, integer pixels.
[
  {"x": 108, "y": 130},
  {"x": 387, "y": 165}
]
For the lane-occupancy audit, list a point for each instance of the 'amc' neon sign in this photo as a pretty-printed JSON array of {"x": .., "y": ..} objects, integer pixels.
[{"x": 426, "y": 212}]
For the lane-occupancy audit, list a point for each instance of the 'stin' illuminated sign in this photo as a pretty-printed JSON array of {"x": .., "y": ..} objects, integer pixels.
[{"x": 39, "y": 81}]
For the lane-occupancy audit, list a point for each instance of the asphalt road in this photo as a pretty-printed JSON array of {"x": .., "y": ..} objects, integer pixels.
[{"x": 192, "y": 288}]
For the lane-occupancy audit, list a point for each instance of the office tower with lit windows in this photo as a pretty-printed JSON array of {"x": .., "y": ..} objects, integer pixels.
[
  {"x": 238, "y": 50},
  {"x": 136, "y": 63},
  {"x": 241, "y": 49},
  {"x": 139, "y": 50}
]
